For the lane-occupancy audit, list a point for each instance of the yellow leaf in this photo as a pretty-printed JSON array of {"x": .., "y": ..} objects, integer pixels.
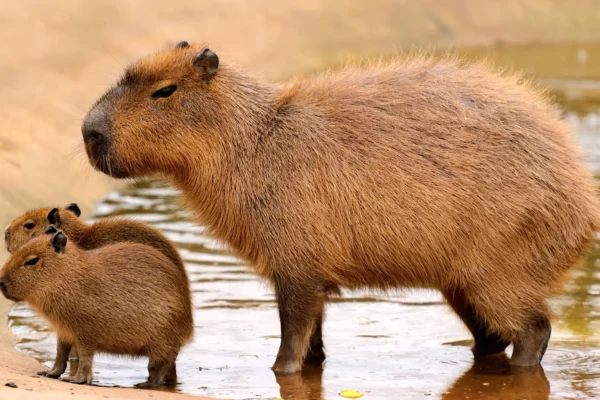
[{"x": 350, "y": 394}]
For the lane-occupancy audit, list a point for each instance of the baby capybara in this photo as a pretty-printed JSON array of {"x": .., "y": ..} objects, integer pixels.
[
  {"x": 87, "y": 236},
  {"x": 417, "y": 173},
  {"x": 124, "y": 298}
]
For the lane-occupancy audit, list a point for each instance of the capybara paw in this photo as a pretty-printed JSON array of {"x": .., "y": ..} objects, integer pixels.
[
  {"x": 147, "y": 384},
  {"x": 286, "y": 367},
  {"x": 50, "y": 374},
  {"x": 78, "y": 379},
  {"x": 315, "y": 356}
]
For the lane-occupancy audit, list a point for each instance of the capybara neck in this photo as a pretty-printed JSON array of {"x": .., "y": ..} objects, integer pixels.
[{"x": 222, "y": 192}]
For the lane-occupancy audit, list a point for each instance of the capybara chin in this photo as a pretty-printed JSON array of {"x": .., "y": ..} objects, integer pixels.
[
  {"x": 124, "y": 298},
  {"x": 418, "y": 173}
]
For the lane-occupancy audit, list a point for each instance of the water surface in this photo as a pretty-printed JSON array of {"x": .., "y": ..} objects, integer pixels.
[{"x": 399, "y": 346}]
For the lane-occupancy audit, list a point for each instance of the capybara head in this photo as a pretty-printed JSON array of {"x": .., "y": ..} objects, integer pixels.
[
  {"x": 34, "y": 264},
  {"x": 34, "y": 222},
  {"x": 163, "y": 106}
]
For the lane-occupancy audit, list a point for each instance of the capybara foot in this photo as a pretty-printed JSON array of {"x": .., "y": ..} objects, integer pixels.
[
  {"x": 286, "y": 367},
  {"x": 79, "y": 379},
  {"x": 530, "y": 346},
  {"x": 489, "y": 344},
  {"x": 147, "y": 384},
  {"x": 315, "y": 355},
  {"x": 51, "y": 373}
]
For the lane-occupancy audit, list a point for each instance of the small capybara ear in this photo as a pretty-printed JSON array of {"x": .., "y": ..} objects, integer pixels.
[
  {"x": 207, "y": 62},
  {"x": 59, "y": 242},
  {"x": 182, "y": 44},
  {"x": 74, "y": 208},
  {"x": 50, "y": 229},
  {"x": 54, "y": 217}
]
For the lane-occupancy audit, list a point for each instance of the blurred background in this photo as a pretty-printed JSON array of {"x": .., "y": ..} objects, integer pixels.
[{"x": 57, "y": 57}]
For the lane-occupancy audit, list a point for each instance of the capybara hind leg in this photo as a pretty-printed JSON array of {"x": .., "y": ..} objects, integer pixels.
[
  {"x": 316, "y": 350},
  {"x": 62, "y": 357},
  {"x": 84, "y": 372},
  {"x": 299, "y": 303},
  {"x": 530, "y": 345},
  {"x": 486, "y": 341}
]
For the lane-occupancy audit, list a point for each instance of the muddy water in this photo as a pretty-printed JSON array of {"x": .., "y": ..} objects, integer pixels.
[{"x": 401, "y": 346}]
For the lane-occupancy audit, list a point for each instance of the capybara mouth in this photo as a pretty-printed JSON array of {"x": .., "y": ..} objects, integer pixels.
[{"x": 108, "y": 166}]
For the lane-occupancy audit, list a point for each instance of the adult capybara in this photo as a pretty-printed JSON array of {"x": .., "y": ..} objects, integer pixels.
[
  {"x": 124, "y": 298},
  {"x": 418, "y": 173}
]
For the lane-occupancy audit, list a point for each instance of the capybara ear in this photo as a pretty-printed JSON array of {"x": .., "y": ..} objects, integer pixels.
[
  {"x": 182, "y": 44},
  {"x": 74, "y": 208},
  {"x": 208, "y": 63},
  {"x": 54, "y": 217},
  {"x": 59, "y": 242},
  {"x": 50, "y": 229}
]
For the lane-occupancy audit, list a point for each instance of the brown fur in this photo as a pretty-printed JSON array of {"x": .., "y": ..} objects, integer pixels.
[
  {"x": 104, "y": 300},
  {"x": 416, "y": 173},
  {"x": 90, "y": 236}
]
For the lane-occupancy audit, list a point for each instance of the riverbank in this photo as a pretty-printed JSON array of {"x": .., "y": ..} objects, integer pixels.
[{"x": 57, "y": 58}]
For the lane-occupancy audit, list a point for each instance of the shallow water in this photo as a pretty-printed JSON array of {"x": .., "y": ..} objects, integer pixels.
[{"x": 401, "y": 346}]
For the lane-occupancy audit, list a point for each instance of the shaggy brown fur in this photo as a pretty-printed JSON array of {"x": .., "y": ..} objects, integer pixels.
[
  {"x": 419, "y": 173},
  {"x": 104, "y": 300}
]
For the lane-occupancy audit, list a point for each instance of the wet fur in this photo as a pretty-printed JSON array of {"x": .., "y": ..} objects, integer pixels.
[{"x": 417, "y": 173}]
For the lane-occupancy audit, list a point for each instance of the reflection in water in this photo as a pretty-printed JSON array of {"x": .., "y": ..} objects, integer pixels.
[
  {"x": 305, "y": 386},
  {"x": 492, "y": 378},
  {"x": 399, "y": 346}
]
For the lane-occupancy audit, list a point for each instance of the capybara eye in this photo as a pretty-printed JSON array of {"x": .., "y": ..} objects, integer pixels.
[
  {"x": 33, "y": 261},
  {"x": 29, "y": 225},
  {"x": 164, "y": 92}
]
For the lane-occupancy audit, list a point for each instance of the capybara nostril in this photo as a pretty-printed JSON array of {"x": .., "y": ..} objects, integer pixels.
[
  {"x": 7, "y": 236},
  {"x": 2, "y": 286},
  {"x": 95, "y": 127},
  {"x": 92, "y": 135}
]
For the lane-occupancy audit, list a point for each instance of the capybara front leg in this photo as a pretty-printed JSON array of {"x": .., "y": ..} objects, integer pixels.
[
  {"x": 530, "y": 345},
  {"x": 84, "y": 369},
  {"x": 171, "y": 378},
  {"x": 62, "y": 357},
  {"x": 300, "y": 304},
  {"x": 73, "y": 361},
  {"x": 486, "y": 341}
]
